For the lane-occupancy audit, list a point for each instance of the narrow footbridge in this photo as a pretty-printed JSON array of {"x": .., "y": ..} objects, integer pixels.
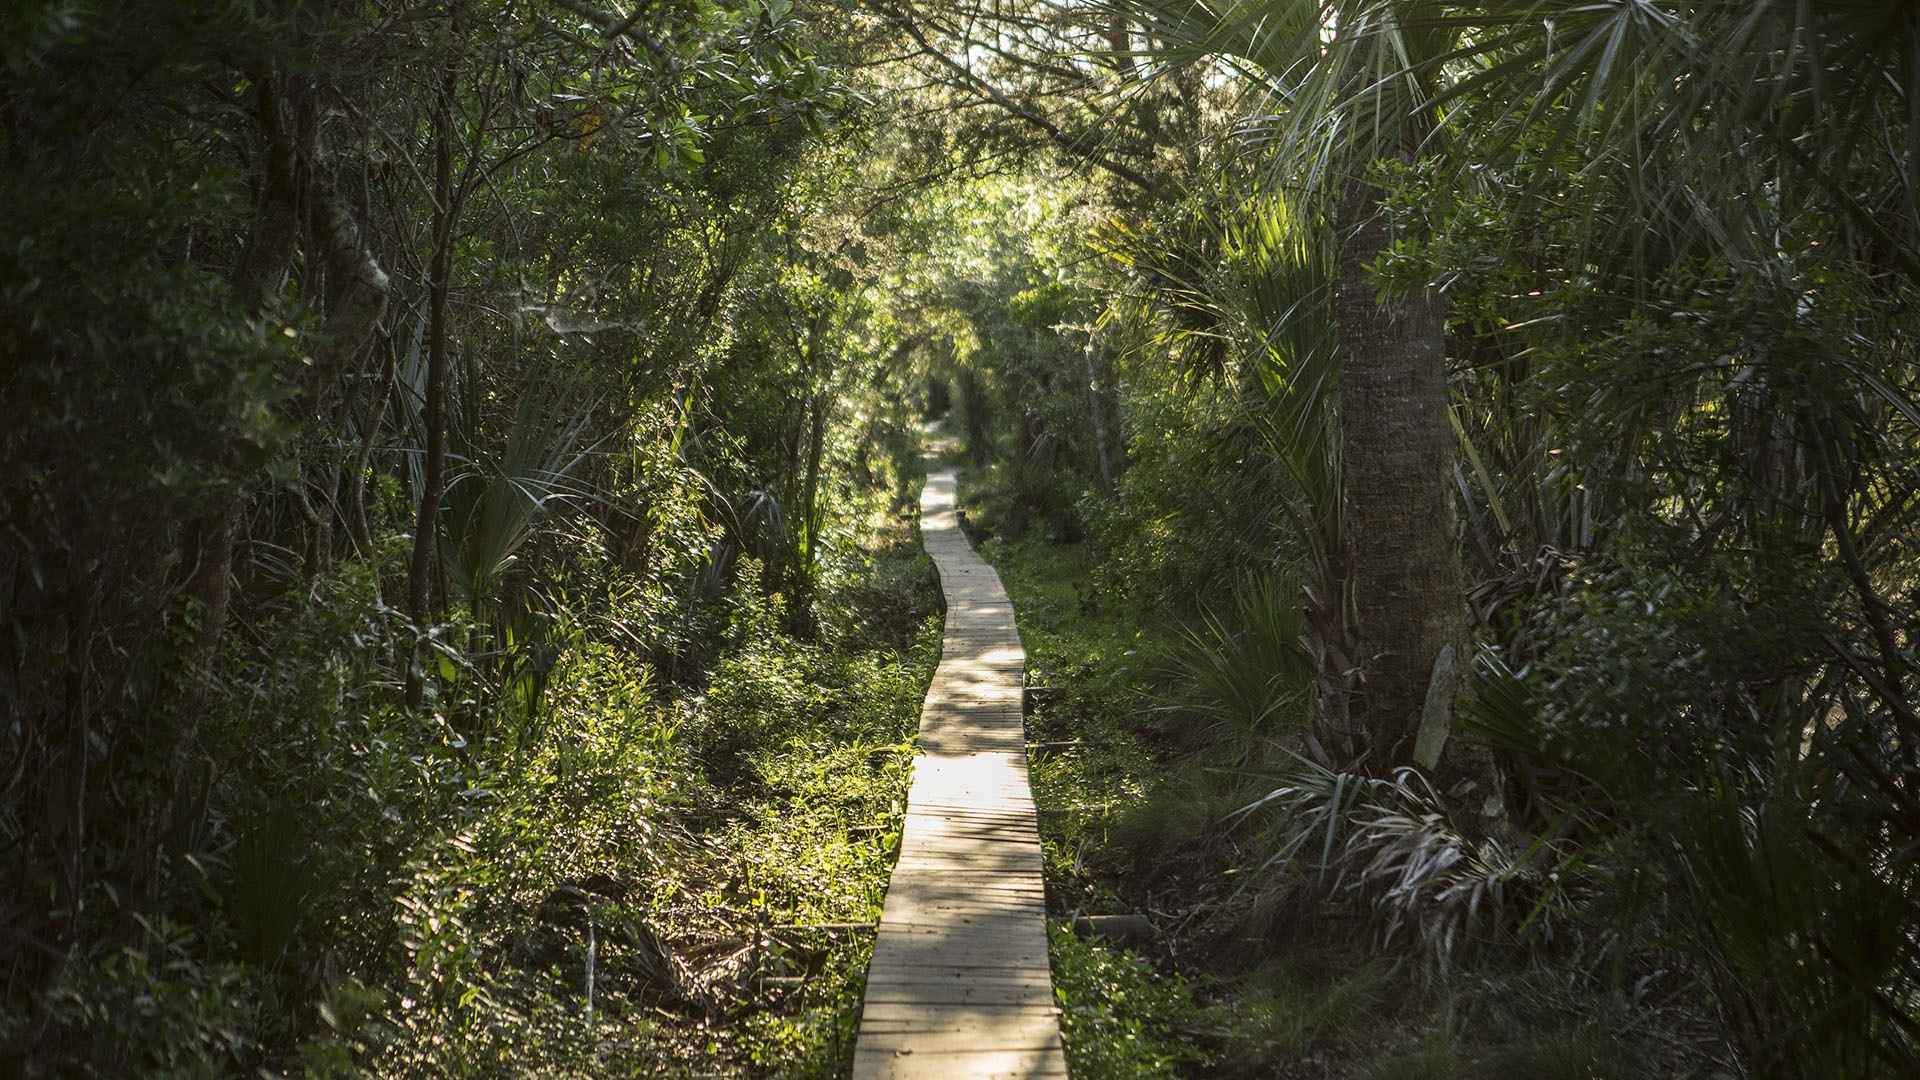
[{"x": 959, "y": 987}]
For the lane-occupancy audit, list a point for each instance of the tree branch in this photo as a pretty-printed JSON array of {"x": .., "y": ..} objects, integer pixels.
[
  {"x": 614, "y": 26},
  {"x": 1054, "y": 134}
]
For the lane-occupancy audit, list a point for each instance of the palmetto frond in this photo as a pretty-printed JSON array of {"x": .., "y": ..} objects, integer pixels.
[
  {"x": 1248, "y": 288},
  {"x": 495, "y": 493},
  {"x": 1331, "y": 83},
  {"x": 1719, "y": 117},
  {"x": 1740, "y": 103},
  {"x": 1246, "y": 670},
  {"x": 494, "y": 500},
  {"x": 1386, "y": 843},
  {"x": 1278, "y": 289}
]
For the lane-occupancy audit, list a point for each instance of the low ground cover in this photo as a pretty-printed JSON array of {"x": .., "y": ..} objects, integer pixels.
[{"x": 729, "y": 934}]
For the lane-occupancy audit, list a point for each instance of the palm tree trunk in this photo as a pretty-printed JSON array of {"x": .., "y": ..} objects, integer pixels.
[
  {"x": 1396, "y": 447},
  {"x": 1409, "y": 595}
]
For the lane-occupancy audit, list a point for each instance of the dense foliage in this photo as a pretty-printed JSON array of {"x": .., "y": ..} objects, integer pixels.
[
  {"x": 456, "y": 616},
  {"x": 459, "y": 617},
  {"x": 1674, "y": 245}
]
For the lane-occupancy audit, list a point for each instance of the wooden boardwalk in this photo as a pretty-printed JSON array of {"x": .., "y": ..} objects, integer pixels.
[{"x": 959, "y": 987}]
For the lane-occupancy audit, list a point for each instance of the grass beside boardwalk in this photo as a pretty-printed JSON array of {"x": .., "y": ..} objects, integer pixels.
[
  {"x": 795, "y": 827},
  {"x": 670, "y": 882}
]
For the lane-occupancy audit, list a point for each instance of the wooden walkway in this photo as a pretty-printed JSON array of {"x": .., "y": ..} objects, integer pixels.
[{"x": 959, "y": 987}]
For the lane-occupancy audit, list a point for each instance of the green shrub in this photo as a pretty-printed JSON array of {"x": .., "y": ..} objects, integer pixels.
[{"x": 1122, "y": 1017}]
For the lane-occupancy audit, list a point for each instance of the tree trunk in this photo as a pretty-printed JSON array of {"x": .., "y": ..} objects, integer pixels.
[
  {"x": 262, "y": 266},
  {"x": 809, "y": 507},
  {"x": 1099, "y": 426},
  {"x": 426, "y": 523},
  {"x": 1396, "y": 456},
  {"x": 375, "y": 418}
]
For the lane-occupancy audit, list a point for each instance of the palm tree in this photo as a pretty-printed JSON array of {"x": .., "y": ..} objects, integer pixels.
[
  {"x": 1343, "y": 86},
  {"x": 1741, "y": 104},
  {"x": 1735, "y": 144},
  {"x": 1769, "y": 146}
]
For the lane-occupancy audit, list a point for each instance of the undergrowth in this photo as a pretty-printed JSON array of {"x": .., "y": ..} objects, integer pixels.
[
  {"x": 1143, "y": 764},
  {"x": 1126, "y": 1013},
  {"x": 1123, "y": 1016},
  {"x": 636, "y": 877}
]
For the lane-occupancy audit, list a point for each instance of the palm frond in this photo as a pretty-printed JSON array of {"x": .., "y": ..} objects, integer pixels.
[
  {"x": 1386, "y": 843},
  {"x": 494, "y": 500},
  {"x": 1245, "y": 672}
]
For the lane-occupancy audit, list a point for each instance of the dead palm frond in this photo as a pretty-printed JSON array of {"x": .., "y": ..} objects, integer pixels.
[
  {"x": 1430, "y": 888},
  {"x": 1386, "y": 843},
  {"x": 1313, "y": 810}
]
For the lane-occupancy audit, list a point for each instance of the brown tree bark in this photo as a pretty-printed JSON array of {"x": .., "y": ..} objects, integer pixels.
[
  {"x": 1396, "y": 447},
  {"x": 1408, "y": 592},
  {"x": 264, "y": 258}
]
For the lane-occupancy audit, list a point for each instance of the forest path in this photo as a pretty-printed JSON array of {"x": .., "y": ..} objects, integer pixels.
[{"x": 959, "y": 985}]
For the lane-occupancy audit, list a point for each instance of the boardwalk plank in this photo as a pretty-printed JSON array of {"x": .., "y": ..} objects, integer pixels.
[{"x": 959, "y": 987}]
